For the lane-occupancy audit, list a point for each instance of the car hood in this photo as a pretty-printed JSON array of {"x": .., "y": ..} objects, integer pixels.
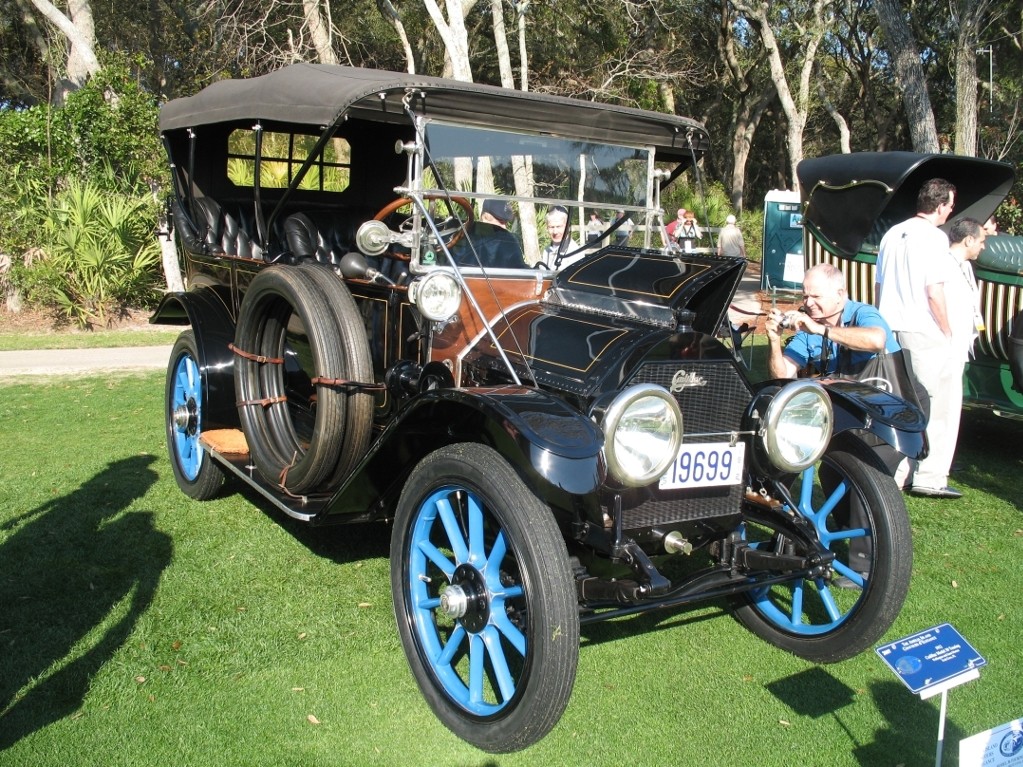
[
  {"x": 608, "y": 312},
  {"x": 650, "y": 287}
]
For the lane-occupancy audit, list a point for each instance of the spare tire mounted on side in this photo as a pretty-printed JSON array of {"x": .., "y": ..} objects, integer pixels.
[{"x": 297, "y": 325}]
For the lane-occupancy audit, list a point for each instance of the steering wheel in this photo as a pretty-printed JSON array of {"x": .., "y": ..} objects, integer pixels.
[{"x": 457, "y": 230}]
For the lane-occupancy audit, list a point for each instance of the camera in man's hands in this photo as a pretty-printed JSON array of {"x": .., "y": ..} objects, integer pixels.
[{"x": 788, "y": 318}]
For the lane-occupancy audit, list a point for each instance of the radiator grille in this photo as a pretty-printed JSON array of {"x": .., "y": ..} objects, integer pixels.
[{"x": 715, "y": 404}]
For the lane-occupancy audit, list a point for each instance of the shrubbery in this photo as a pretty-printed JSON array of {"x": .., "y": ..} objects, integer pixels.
[
  {"x": 101, "y": 255},
  {"x": 79, "y": 198}
]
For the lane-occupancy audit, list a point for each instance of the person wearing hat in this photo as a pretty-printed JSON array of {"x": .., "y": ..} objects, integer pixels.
[
  {"x": 489, "y": 243},
  {"x": 730, "y": 242}
]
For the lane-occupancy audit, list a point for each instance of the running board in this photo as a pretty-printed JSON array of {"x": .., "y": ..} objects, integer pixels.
[{"x": 299, "y": 507}]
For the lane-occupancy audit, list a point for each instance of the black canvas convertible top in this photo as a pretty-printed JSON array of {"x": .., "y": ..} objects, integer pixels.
[
  {"x": 318, "y": 94},
  {"x": 851, "y": 200}
]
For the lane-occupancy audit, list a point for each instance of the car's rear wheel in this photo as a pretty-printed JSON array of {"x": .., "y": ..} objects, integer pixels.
[
  {"x": 196, "y": 473},
  {"x": 859, "y": 514},
  {"x": 484, "y": 599}
]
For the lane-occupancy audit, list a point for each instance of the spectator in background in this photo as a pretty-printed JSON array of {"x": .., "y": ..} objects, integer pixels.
[
  {"x": 991, "y": 227},
  {"x": 689, "y": 233},
  {"x": 594, "y": 228},
  {"x": 672, "y": 228},
  {"x": 913, "y": 269},
  {"x": 730, "y": 241},
  {"x": 624, "y": 231},
  {"x": 563, "y": 250},
  {"x": 966, "y": 241}
]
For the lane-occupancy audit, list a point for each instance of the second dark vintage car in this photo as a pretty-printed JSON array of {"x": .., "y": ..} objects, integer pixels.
[{"x": 383, "y": 328}]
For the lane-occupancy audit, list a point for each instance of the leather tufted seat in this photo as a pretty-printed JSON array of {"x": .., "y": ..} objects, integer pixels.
[
  {"x": 214, "y": 231},
  {"x": 306, "y": 240}
]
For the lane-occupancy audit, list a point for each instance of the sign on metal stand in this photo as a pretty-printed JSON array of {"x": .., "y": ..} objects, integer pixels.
[{"x": 933, "y": 661}]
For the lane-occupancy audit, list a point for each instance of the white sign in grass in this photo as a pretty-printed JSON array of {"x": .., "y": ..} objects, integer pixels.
[{"x": 998, "y": 747}]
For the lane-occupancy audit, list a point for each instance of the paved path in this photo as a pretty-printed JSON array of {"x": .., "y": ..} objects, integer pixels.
[{"x": 77, "y": 361}]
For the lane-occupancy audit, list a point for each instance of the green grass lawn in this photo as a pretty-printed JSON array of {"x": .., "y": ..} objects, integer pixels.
[
  {"x": 138, "y": 627},
  {"x": 98, "y": 339}
]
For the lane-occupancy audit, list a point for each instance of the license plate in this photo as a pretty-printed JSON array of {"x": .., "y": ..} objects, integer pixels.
[{"x": 710, "y": 464}]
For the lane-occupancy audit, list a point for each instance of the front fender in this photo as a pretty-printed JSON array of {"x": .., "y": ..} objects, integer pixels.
[
  {"x": 890, "y": 418},
  {"x": 556, "y": 449}
]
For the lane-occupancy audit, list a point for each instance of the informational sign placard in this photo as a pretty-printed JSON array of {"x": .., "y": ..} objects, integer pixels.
[
  {"x": 1000, "y": 747},
  {"x": 930, "y": 657}
]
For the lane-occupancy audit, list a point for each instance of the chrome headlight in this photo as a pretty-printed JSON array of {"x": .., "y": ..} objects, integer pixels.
[
  {"x": 797, "y": 426},
  {"x": 642, "y": 434},
  {"x": 437, "y": 295}
]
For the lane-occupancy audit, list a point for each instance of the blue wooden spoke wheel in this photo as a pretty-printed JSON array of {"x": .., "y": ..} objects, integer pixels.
[
  {"x": 484, "y": 599},
  {"x": 859, "y": 514},
  {"x": 195, "y": 472}
]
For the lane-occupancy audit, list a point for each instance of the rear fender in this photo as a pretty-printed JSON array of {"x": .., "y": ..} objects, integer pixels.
[{"x": 207, "y": 310}]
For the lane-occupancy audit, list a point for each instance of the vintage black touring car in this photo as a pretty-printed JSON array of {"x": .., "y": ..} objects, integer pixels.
[{"x": 377, "y": 334}]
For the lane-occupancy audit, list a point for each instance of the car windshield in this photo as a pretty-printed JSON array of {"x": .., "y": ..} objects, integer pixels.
[{"x": 550, "y": 169}]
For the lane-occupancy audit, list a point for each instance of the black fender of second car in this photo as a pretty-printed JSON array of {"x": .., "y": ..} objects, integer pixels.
[
  {"x": 207, "y": 310},
  {"x": 558, "y": 450},
  {"x": 856, "y": 407}
]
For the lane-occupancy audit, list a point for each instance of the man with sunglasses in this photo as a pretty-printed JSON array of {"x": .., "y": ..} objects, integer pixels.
[{"x": 912, "y": 268}]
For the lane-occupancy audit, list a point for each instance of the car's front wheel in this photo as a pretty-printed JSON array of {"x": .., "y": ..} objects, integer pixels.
[
  {"x": 860, "y": 516},
  {"x": 484, "y": 598}
]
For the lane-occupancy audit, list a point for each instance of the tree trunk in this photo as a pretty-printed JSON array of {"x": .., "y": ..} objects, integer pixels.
[
  {"x": 970, "y": 17},
  {"x": 501, "y": 44},
  {"x": 319, "y": 31},
  {"x": 171, "y": 265},
  {"x": 795, "y": 108},
  {"x": 910, "y": 73},
  {"x": 844, "y": 137},
  {"x": 455, "y": 36},
  {"x": 520, "y": 10},
  {"x": 742, "y": 144},
  {"x": 390, "y": 13},
  {"x": 80, "y": 32}
]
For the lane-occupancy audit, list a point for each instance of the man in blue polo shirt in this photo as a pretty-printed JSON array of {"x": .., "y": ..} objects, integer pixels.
[{"x": 829, "y": 320}]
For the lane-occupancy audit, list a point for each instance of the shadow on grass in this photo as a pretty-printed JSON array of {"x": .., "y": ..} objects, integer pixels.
[
  {"x": 657, "y": 620},
  {"x": 909, "y": 737},
  {"x": 986, "y": 455},
  {"x": 339, "y": 543},
  {"x": 75, "y": 576}
]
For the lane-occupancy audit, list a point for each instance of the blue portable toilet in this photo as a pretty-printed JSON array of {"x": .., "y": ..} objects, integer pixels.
[{"x": 782, "y": 267}]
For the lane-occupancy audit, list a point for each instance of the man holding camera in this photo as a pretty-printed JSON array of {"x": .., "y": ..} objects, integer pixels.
[{"x": 828, "y": 319}]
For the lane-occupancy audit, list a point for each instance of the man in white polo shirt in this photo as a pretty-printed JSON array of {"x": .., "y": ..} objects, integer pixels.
[{"x": 913, "y": 266}]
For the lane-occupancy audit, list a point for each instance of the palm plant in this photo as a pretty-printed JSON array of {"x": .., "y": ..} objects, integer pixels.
[{"x": 102, "y": 255}]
